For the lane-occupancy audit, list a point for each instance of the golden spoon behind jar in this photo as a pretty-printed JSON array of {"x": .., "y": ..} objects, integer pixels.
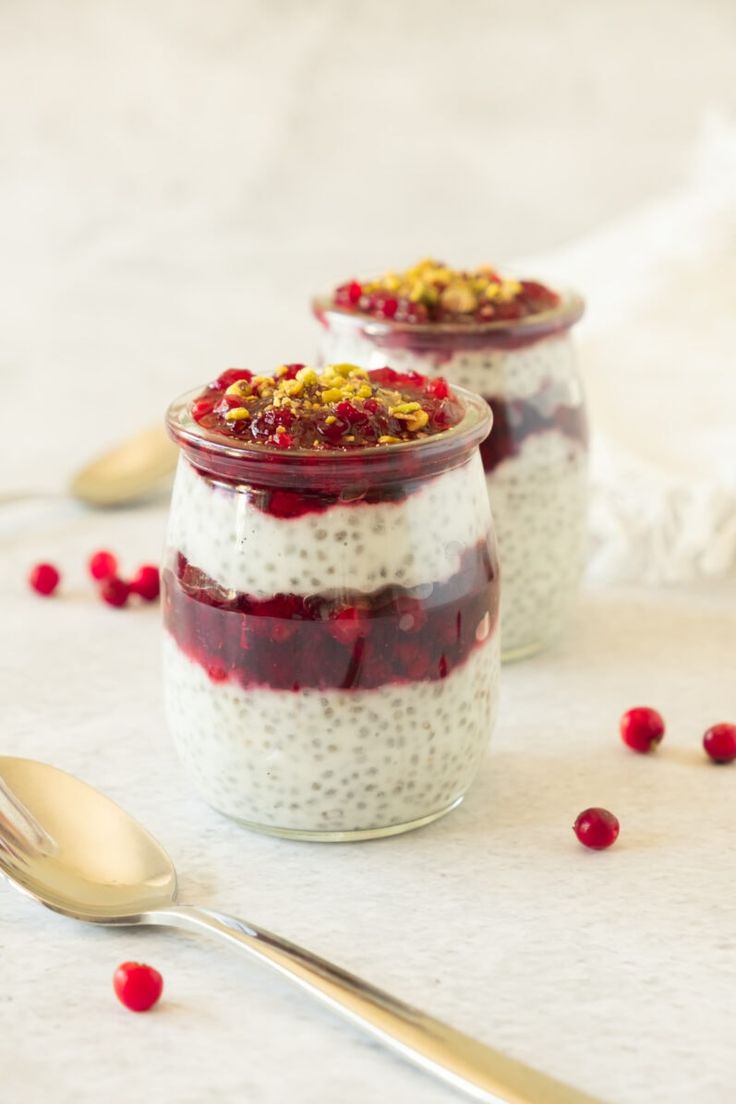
[{"x": 129, "y": 472}]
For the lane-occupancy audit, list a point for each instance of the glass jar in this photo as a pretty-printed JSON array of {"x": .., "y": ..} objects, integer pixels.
[
  {"x": 331, "y": 645},
  {"x": 535, "y": 460}
]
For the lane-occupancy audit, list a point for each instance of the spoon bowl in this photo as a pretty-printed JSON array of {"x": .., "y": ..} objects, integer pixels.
[
  {"x": 132, "y": 471},
  {"x": 129, "y": 471},
  {"x": 77, "y": 852}
]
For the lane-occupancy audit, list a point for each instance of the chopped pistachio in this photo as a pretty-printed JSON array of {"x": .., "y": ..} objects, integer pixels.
[
  {"x": 418, "y": 421},
  {"x": 241, "y": 388}
]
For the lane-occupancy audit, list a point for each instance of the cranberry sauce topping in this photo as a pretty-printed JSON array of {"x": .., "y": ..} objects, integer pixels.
[
  {"x": 350, "y": 641},
  {"x": 293, "y": 502},
  {"x": 516, "y": 420},
  {"x": 343, "y": 407},
  {"x": 432, "y": 292}
]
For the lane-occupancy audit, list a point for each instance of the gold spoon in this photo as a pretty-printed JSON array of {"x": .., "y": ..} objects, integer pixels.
[
  {"x": 78, "y": 853},
  {"x": 129, "y": 472}
]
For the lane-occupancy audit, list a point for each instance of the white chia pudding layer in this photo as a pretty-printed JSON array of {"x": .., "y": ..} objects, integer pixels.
[
  {"x": 410, "y": 542},
  {"x": 333, "y": 761},
  {"x": 539, "y": 503},
  {"x": 507, "y": 373},
  {"x": 539, "y": 495}
]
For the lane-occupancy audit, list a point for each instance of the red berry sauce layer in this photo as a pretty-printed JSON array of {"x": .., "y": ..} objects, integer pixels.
[
  {"x": 516, "y": 420},
  {"x": 432, "y": 292},
  {"x": 345, "y": 640},
  {"x": 344, "y": 407}
]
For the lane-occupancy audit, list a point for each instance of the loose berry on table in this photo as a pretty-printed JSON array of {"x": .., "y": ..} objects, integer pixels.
[
  {"x": 137, "y": 986},
  {"x": 102, "y": 565},
  {"x": 642, "y": 728},
  {"x": 719, "y": 742},
  {"x": 114, "y": 591},
  {"x": 44, "y": 578},
  {"x": 146, "y": 583},
  {"x": 596, "y": 828}
]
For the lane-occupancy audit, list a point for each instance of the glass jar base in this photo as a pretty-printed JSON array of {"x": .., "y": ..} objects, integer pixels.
[{"x": 344, "y": 836}]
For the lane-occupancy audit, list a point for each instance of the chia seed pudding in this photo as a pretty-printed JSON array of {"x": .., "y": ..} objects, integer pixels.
[
  {"x": 509, "y": 341},
  {"x": 330, "y": 598}
]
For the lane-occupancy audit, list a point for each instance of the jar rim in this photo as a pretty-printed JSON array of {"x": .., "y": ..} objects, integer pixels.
[
  {"x": 271, "y": 465},
  {"x": 565, "y": 314}
]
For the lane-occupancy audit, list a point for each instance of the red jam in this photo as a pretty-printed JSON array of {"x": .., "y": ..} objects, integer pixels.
[
  {"x": 350, "y": 640},
  {"x": 432, "y": 292},
  {"x": 343, "y": 407},
  {"x": 515, "y": 420}
]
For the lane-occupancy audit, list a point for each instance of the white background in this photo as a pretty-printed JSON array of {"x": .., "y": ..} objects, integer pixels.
[{"x": 175, "y": 179}]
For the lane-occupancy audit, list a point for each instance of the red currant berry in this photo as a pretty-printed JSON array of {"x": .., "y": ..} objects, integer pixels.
[
  {"x": 291, "y": 370},
  {"x": 416, "y": 312},
  {"x": 348, "y": 295},
  {"x": 137, "y": 986},
  {"x": 596, "y": 828},
  {"x": 232, "y": 375},
  {"x": 388, "y": 306},
  {"x": 44, "y": 578},
  {"x": 286, "y": 504},
  {"x": 641, "y": 728},
  {"x": 114, "y": 591},
  {"x": 102, "y": 565},
  {"x": 720, "y": 743},
  {"x": 346, "y": 626},
  {"x": 201, "y": 408},
  {"x": 437, "y": 388},
  {"x": 350, "y": 412},
  {"x": 146, "y": 583}
]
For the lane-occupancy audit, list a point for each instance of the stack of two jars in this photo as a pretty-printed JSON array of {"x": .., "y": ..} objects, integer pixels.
[{"x": 334, "y": 608}]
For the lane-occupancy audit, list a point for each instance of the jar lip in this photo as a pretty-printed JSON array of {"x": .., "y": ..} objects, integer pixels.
[
  {"x": 473, "y": 427},
  {"x": 568, "y": 311}
]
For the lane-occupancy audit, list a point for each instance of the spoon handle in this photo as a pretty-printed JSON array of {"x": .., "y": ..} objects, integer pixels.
[{"x": 465, "y": 1063}]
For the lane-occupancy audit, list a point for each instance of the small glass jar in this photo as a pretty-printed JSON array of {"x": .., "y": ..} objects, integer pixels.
[
  {"x": 535, "y": 460},
  {"x": 331, "y": 644}
]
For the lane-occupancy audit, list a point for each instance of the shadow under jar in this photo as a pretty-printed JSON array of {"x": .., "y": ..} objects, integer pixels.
[
  {"x": 535, "y": 461},
  {"x": 331, "y": 644}
]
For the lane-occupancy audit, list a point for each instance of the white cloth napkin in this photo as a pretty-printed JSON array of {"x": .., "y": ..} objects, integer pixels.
[{"x": 658, "y": 354}]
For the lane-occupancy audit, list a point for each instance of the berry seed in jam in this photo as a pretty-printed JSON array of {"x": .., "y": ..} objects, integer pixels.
[
  {"x": 343, "y": 407},
  {"x": 432, "y": 292}
]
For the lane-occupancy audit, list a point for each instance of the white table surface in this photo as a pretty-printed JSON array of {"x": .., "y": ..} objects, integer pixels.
[
  {"x": 615, "y": 971},
  {"x": 175, "y": 184}
]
